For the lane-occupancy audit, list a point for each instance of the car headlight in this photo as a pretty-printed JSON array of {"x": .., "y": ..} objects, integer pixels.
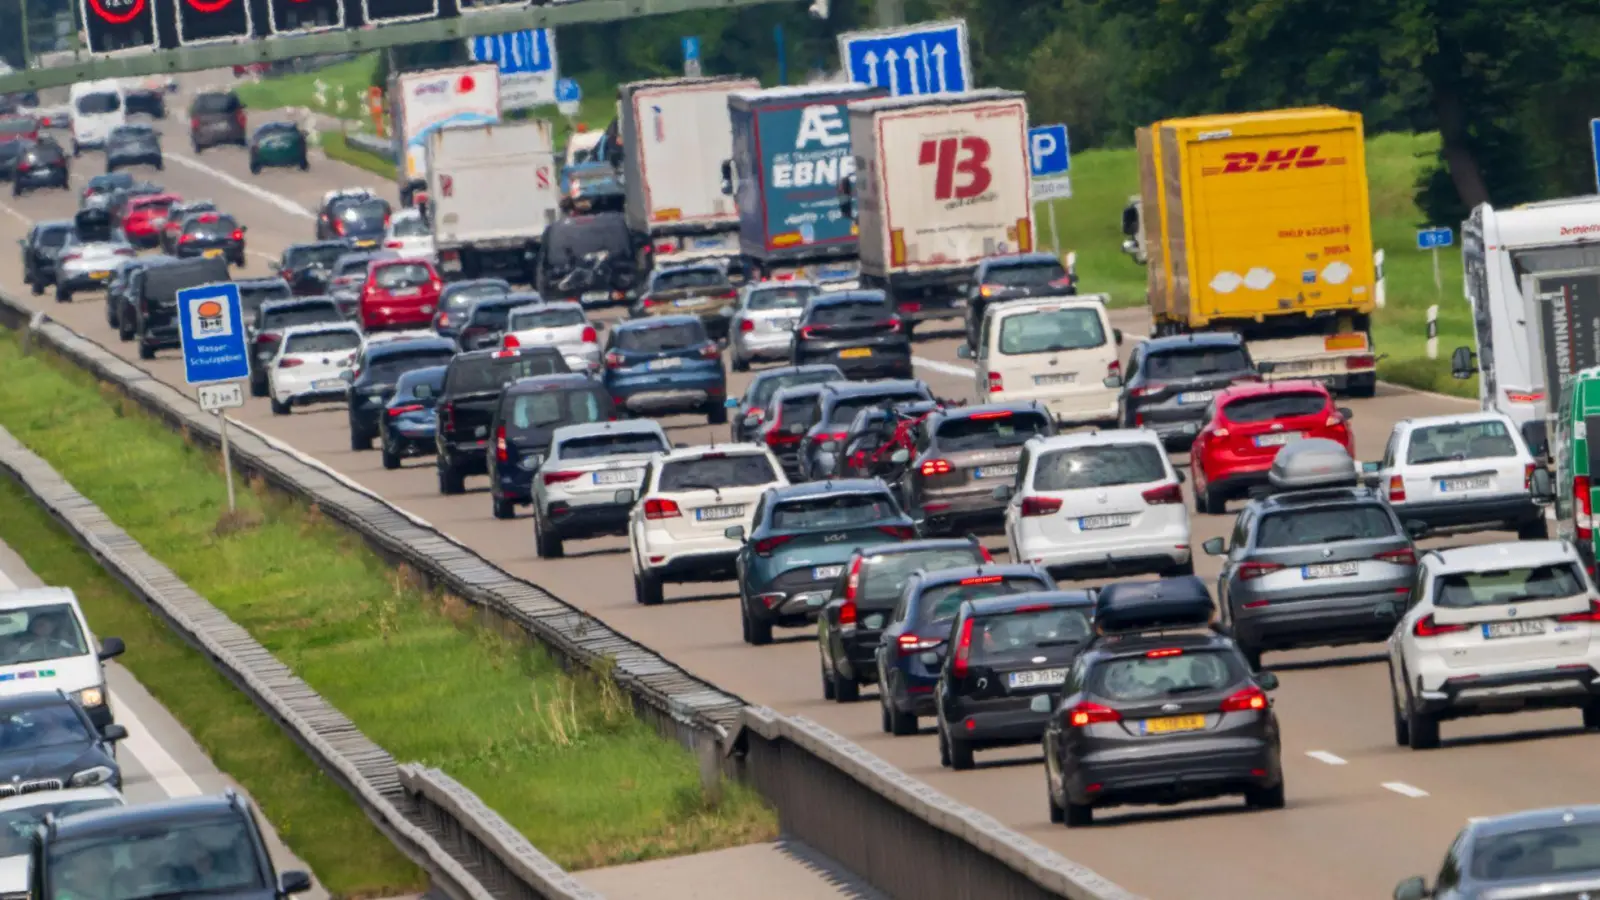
[
  {"x": 91, "y": 696},
  {"x": 91, "y": 777}
]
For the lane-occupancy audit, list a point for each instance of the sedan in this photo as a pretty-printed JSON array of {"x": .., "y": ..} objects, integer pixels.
[{"x": 858, "y": 331}]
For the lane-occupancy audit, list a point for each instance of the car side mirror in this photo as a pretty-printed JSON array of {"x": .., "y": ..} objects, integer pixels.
[
  {"x": 1537, "y": 436},
  {"x": 826, "y": 462},
  {"x": 727, "y": 176},
  {"x": 112, "y": 647},
  {"x": 731, "y": 403},
  {"x": 1112, "y": 381},
  {"x": 1002, "y": 493},
  {"x": 293, "y": 882},
  {"x": 1419, "y": 530},
  {"x": 624, "y": 497},
  {"x": 1413, "y": 888},
  {"x": 1463, "y": 365},
  {"x": 734, "y": 533},
  {"x": 1214, "y": 547},
  {"x": 900, "y": 457},
  {"x": 963, "y": 351},
  {"x": 1542, "y": 489},
  {"x": 1116, "y": 334},
  {"x": 1346, "y": 412},
  {"x": 1266, "y": 368},
  {"x": 113, "y": 733},
  {"x": 1266, "y": 681}
]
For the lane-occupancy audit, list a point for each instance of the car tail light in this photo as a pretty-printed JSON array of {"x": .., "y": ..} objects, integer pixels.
[
  {"x": 510, "y": 340},
  {"x": 747, "y": 325},
  {"x": 858, "y": 459},
  {"x": 402, "y": 410},
  {"x": 1164, "y": 653},
  {"x": 560, "y": 477},
  {"x": 447, "y": 416},
  {"x": 1087, "y": 713},
  {"x": 915, "y": 643},
  {"x": 1360, "y": 362},
  {"x": 937, "y": 467},
  {"x": 1247, "y": 700},
  {"x": 589, "y": 335},
  {"x": 958, "y": 664},
  {"x": 996, "y": 383},
  {"x": 911, "y": 306},
  {"x": 238, "y": 234},
  {"x": 775, "y": 436},
  {"x": 1167, "y": 493},
  {"x": 1585, "y": 517},
  {"x": 1004, "y": 414},
  {"x": 1406, "y": 557},
  {"x": 728, "y": 294},
  {"x": 710, "y": 351},
  {"x": 852, "y": 586},
  {"x": 765, "y": 546},
  {"x": 238, "y": 116},
  {"x": 893, "y": 325},
  {"x": 338, "y": 226},
  {"x": 268, "y": 337},
  {"x": 1527, "y": 476},
  {"x": 500, "y": 444},
  {"x": 126, "y": 251},
  {"x": 1249, "y": 570},
  {"x": 193, "y": 124},
  {"x": 808, "y": 332},
  {"x": 188, "y": 238},
  {"x": 1592, "y": 615},
  {"x": 1426, "y": 627},
  {"x": 665, "y": 248},
  {"x": 393, "y": 245},
  {"x": 1397, "y": 489},
  {"x": 1040, "y": 506},
  {"x": 658, "y": 508},
  {"x": 71, "y": 257},
  {"x": 24, "y": 166},
  {"x": 1146, "y": 390},
  {"x": 613, "y": 360},
  {"x": 899, "y": 532},
  {"x": 290, "y": 362}
]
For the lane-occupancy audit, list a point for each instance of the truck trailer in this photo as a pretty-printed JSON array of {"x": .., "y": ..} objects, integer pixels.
[
  {"x": 492, "y": 191},
  {"x": 425, "y": 101}
]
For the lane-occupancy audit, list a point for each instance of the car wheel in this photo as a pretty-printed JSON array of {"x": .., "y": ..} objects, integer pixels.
[
  {"x": 258, "y": 387},
  {"x": 1186, "y": 568},
  {"x": 125, "y": 333},
  {"x": 1216, "y": 502},
  {"x": 883, "y": 710},
  {"x": 255, "y": 167},
  {"x": 279, "y": 408},
  {"x": 1078, "y": 815},
  {"x": 845, "y": 690},
  {"x": 1534, "y": 531},
  {"x": 160, "y": 165},
  {"x": 901, "y": 724},
  {"x": 647, "y": 589},
  {"x": 828, "y": 683},
  {"x": 1423, "y": 728},
  {"x": 1402, "y": 728},
  {"x": 960, "y": 753},
  {"x": 944, "y": 748},
  {"x": 63, "y": 295},
  {"x": 738, "y": 363},
  {"x": 1591, "y": 714},
  {"x": 305, "y": 164},
  {"x": 391, "y": 459},
  {"x": 1362, "y": 386},
  {"x": 197, "y": 147},
  {"x": 1265, "y": 798},
  {"x": 36, "y": 287},
  {"x": 451, "y": 481},
  {"x": 1200, "y": 500},
  {"x": 1057, "y": 814},
  {"x": 359, "y": 441},
  {"x": 760, "y": 633},
  {"x": 502, "y": 507},
  {"x": 148, "y": 352}
]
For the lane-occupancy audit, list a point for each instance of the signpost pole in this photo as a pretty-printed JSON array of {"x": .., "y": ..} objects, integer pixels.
[
  {"x": 1055, "y": 233},
  {"x": 1438, "y": 280},
  {"x": 1433, "y": 329},
  {"x": 227, "y": 458}
]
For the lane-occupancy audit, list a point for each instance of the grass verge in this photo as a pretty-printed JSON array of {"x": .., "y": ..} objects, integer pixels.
[
  {"x": 335, "y": 147},
  {"x": 314, "y": 816},
  {"x": 346, "y": 82},
  {"x": 563, "y": 759}
]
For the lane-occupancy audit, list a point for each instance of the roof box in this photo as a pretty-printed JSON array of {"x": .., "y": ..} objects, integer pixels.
[
  {"x": 1312, "y": 464},
  {"x": 1134, "y": 606}
]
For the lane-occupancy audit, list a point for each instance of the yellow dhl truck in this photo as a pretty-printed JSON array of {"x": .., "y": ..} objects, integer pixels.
[{"x": 1259, "y": 223}]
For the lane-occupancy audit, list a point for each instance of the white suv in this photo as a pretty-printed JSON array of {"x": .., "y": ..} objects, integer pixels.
[
  {"x": 1098, "y": 502},
  {"x": 691, "y": 497},
  {"x": 1495, "y": 628},
  {"x": 1469, "y": 472},
  {"x": 312, "y": 365},
  {"x": 587, "y": 486}
]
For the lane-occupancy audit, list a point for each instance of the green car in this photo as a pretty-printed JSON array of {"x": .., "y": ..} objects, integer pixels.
[{"x": 280, "y": 144}]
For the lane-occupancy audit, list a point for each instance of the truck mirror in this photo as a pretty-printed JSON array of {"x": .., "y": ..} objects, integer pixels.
[
  {"x": 1543, "y": 491},
  {"x": 1130, "y": 246},
  {"x": 1535, "y": 435},
  {"x": 727, "y": 176},
  {"x": 1130, "y": 222},
  {"x": 1463, "y": 363}
]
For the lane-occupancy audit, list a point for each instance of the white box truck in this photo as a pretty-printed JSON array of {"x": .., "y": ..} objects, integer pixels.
[
  {"x": 423, "y": 102},
  {"x": 941, "y": 182},
  {"x": 492, "y": 190},
  {"x": 675, "y": 134}
]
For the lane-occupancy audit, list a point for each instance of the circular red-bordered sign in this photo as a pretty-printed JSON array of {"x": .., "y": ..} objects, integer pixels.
[
  {"x": 216, "y": 6},
  {"x": 464, "y": 86},
  {"x": 117, "y": 18}
]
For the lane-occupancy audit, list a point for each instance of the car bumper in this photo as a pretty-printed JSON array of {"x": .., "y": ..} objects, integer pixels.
[
  {"x": 1176, "y": 433},
  {"x": 1012, "y": 721},
  {"x": 226, "y": 251},
  {"x": 1176, "y": 777},
  {"x": 684, "y": 564},
  {"x": 160, "y": 337},
  {"x": 659, "y": 400},
  {"x": 514, "y": 483},
  {"x": 1313, "y": 622},
  {"x": 1480, "y": 692},
  {"x": 40, "y": 177},
  {"x": 1473, "y": 513},
  {"x": 960, "y": 513},
  {"x": 1110, "y": 553},
  {"x": 926, "y": 312},
  {"x": 134, "y": 159},
  {"x": 466, "y": 457},
  {"x": 884, "y": 361},
  {"x": 588, "y": 520},
  {"x": 411, "y": 441},
  {"x": 757, "y": 345},
  {"x": 82, "y": 280},
  {"x": 859, "y": 659},
  {"x": 304, "y": 393},
  {"x": 1239, "y": 483}
]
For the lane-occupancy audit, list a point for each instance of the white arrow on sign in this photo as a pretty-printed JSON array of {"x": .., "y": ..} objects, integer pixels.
[
  {"x": 938, "y": 53},
  {"x": 871, "y": 59},
  {"x": 927, "y": 74},
  {"x": 890, "y": 59},
  {"x": 911, "y": 69}
]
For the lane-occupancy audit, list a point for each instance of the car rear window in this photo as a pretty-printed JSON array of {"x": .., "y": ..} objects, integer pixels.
[
  {"x": 803, "y": 411},
  {"x": 210, "y": 104},
  {"x": 1191, "y": 362},
  {"x": 356, "y": 265},
  {"x": 1537, "y": 854},
  {"x": 1008, "y": 634},
  {"x": 543, "y": 409},
  {"x": 153, "y": 205},
  {"x": 97, "y": 104},
  {"x": 301, "y": 257},
  {"x": 941, "y": 602},
  {"x": 410, "y": 226},
  {"x": 460, "y": 297},
  {"x": 44, "y": 153},
  {"x": 1145, "y": 678},
  {"x": 660, "y": 338},
  {"x": 401, "y": 275},
  {"x": 779, "y": 298},
  {"x": 1005, "y": 429},
  {"x": 833, "y": 511},
  {"x": 1464, "y": 590},
  {"x": 887, "y": 574},
  {"x": 1464, "y": 441},
  {"x": 717, "y": 471},
  {"x": 845, "y": 411},
  {"x": 322, "y": 342},
  {"x": 491, "y": 314},
  {"x": 767, "y": 387},
  {"x": 555, "y": 317},
  {"x": 1324, "y": 525},
  {"x": 364, "y": 213},
  {"x": 491, "y": 373},
  {"x": 15, "y": 128},
  {"x": 390, "y": 366},
  {"x": 54, "y": 237},
  {"x": 308, "y": 314},
  {"x": 596, "y": 446},
  {"x": 1051, "y": 331},
  {"x": 569, "y": 240},
  {"x": 105, "y": 184},
  {"x": 421, "y": 385},
  {"x": 1103, "y": 465},
  {"x": 1267, "y": 407},
  {"x": 251, "y": 298},
  {"x": 211, "y": 227},
  {"x": 690, "y": 278},
  {"x": 854, "y": 313},
  {"x": 1037, "y": 275}
]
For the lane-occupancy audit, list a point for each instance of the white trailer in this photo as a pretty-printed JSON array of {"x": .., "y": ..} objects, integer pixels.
[
  {"x": 492, "y": 191},
  {"x": 423, "y": 102}
]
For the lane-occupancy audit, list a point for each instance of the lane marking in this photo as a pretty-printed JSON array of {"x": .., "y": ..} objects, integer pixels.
[
  {"x": 943, "y": 367},
  {"x": 16, "y": 215},
  {"x": 1324, "y": 756},
  {"x": 153, "y": 758},
  {"x": 6, "y": 584},
  {"x": 1405, "y": 790},
  {"x": 265, "y": 196}
]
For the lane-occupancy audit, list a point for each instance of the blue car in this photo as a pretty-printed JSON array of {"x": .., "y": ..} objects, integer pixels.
[
  {"x": 666, "y": 365},
  {"x": 917, "y": 635},
  {"x": 591, "y": 187},
  {"x": 798, "y": 546},
  {"x": 409, "y": 418}
]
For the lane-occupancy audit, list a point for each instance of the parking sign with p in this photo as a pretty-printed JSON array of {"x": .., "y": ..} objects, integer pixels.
[
  {"x": 211, "y": 328},
  {"x": 1048, "y": 151}
]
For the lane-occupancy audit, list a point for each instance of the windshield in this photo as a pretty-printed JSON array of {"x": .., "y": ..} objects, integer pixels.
[
  {"x": 309, "y": 314},
  {"x": 11, "y": 128},
  {"x": 833, "y": 511},
  {"x": 984, "y": 430},
  {"x": 388, "y": 368},
  {"x": 210, "y": 104},
  {"x": 1195, "y": 361},
  {"x": 17, "y": 825},
  {"x": 129, "y": 134},
  {"x": 37, "y": 633},
  {"x": 1142, "y": 678},
  {"x": 1559, "y": 851},
  {"x": 941, "y": 602},
  {"x": 1011, "y": 633},
  {"x": 570, "y": 240},
  {"x": 1106, "y": 465},
  {"x": 105, "y": 184},
  {"x": 1030, "y": 275},
  {"x": 156, "y": 206},
  {"x": 305, "y": 257},
  {"x": 38, "y": 727},
  {"x": 661, "y": 338},
  {"x": 1324, "y": 525},
  {"x": 364, "y": 214},
  {"x": 802, "y": 411},
  {"x": 460, "y": 297},
  {"x": 421, "y": 384},
  {"x": 180, "y": 859},
  {"x": 1465, "y": 590},
  {"x": 596, "y": 446},
  {"x": 554, "y": 317},
  {"x": 492, "y": 373},
  {"x": 845, "y": 411},
  {"x": 410, "y": 226},
  {"x": 779, "y": 298},
  {"x": 1267, "y": 407},
  {"x": 546, "y": 408},
  {"x": 97, "y": 104},
  {"x": 886, "y": 574},
  {"x": 690, "y": 278},
  {"x": 352, "y": 265},
  {"x": 864, "y": 312},
  {"x": 211, "y": 227},
  {"x": 53, "y": 237},
  {"x": 323, "y": 342},
  {"x": 400, "y": 276},
  {"x": 716, "y": 470},
  {"x": 492, "y": 314},
  {"x": 766, "y": 387},
  {"x": 1051, "y": 331},
  {"x": 1461, "y": 442},
  {"x": 251, "y": 298}
]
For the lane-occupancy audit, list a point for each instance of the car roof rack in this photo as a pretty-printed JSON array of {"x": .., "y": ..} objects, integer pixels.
[
  {"x": 1312, "y": 464},
  {"x": 1125, "y": 608}
]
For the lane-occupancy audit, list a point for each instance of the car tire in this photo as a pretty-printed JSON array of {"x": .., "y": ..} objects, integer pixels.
[
  {"x": 1078, "y": 815},
  {"x": 198, "y": 147},
  {"x": 845, "y": 690},
  {"x": 255, "y": 167},
  {"x": 1265, "y": 798},
  {"x": 305, "y": 164},
  {"x": 391, "y": 459},
  {"x": 717, "y": 415},
  {"x": 148, "y": 352},
  {"x": 36, "y": 287},
  {"x": 1591, "y": 714},
  {"x": 1057, "y": 814},
  {"x": 1537, "y": 530},
  {"x": 1402, "y": 726},
  {"x": 279, "y": 408},
  {"x": 883, "y": 711},
  {"x": 125, "y": 333},
  {"x": 161, "y": 165},
  {"x": 503, "y": 508},
  {"x": 1362, "y": 386},
  {"x": 258, "y": 387},
  {"x": 63, "y": 295},
  {"x": 900, "y": 724},
  {"x": 1423, "y": 728},
  {"x": 1200, "y": 502},
  {"x": 451, "y": 481},
  {"x": 960, "y": 752},
  {"x": 759, "y": 634},
  {"x": 1216, "y": 502},
  {"x": 360, "y": 441},
  {"x": 738, "y": 363},
  {"x": 828, "y": 682},
  {"x": 647, "y": 589}
]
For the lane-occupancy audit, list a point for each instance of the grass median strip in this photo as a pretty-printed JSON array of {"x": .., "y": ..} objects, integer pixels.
[
  {"x": 348, "y": 81},
  {"x": 335, "y": 147},
  {"x": 562, "y": 758}
]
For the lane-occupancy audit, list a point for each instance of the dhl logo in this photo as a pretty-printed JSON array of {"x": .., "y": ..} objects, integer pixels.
[{"x": 1274, "y": 160}]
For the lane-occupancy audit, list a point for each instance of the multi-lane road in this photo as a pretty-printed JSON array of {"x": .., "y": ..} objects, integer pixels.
[{"x": 1362, "y": 813}]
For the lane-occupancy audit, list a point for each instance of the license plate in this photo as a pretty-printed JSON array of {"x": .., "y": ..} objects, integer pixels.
[
  {"x": 1512, "y": 629},
  {"x": 407, "y": 292},
  {"x": 1095, "y": 523},
  {"x": 690, "y": 301},
  {"x": 1476, "y": 483},
  {"x": 618, "y": 476},
  {"x": 835, "y": 274},
  {"x": 671, "y": 362},
  {"x": 1039, "y": 678},
  {"x": 855, "y": 353},
  {"x": 1062, "y": 378},
  {"x": 327, "y": 384},
  {"x": 212, "y": 254},
  {"x": 996, "y": 471},
  {"x": 99, "y": 276},
  {"x": 823, "y": 573},
  {"x": 1277, "y": 440},
  {"x": 1330, "y": 570},
  {"x": 1171, "y": 724},
  {"x": 1196, "y": 397},
  {"x": 591, "y": 296},
  {"x": 366, "y": 243},
  {"x": 782, "y": 324},
  {"x": 717, "y": 513}
]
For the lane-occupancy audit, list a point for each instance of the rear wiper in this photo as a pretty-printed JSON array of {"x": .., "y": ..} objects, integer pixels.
[
  {"x": 1454, "y": 457},
  {"x": 1340, "y": 537},
  {"x": 1057, "y": 643},
  {"x": 697, "y": 486},
  {"x": 1192, "y": 689}
]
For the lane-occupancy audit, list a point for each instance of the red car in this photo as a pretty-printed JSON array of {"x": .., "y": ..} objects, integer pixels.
[
  {"x": 1249, "y": 423},
  {"x": 145, "y": 217},
  {"x": 399, "y": 294}
]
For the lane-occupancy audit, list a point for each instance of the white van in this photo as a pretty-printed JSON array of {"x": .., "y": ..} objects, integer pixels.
[
  {"x": 46, "y": 645},
  {"x": 97, "y": 107},
  {"x": 1058, "y": 351}
]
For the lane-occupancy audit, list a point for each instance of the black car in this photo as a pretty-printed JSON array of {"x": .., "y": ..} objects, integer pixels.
[
  {"x": 39, "y": 251},
  {"x": 1014, "y": 277},
  {"x": 590, "y": 259},
  {"x": 47, "y": 742},
  {"x": 132, "y": 145},
  {"x": 118, "y": 299},
  {"x": 177, "y": 215},
  {"x": 308, "y": 268},
  {"x": 751, "y": 410},
  {"x": 457, "y": 297},
  {"x": 527, "y": 414},
  {"x": 407, "y": 426},
  {"x": 41, "y": 163},
  {"x": 212, "y": 235},
  {"x": 332, "y": 203},
  {"x": 148, "y": 101},
  {"x": 254, "y": 292},
  {"x": 216, "y": 117},
  {"x": 266, "y": 329},
  {"x": 700, "y": 289},
  {"x": 868, "y": 589},
  {"x": 484, "y": 322},
  {"x": 16, "y": 133},
  {"x": 101, "y": 186},
  {"x": 156, "y": 326},
  {"x": 373, "y": 377},
  {"x": 840, "y": 403},
  {"x": 363, "y": 221},
  {"x": 1171, "y": 381},
  {"x": 470, "y": 400},
  {"x": 961, "y": 455},
  {"x": 212, "y": 845},
  {"x": 1160, "y": 709},
  {"x": 1009, "y": 658},
  {"x": 858, "y": 331},
  {"x": 793, "y": 410}
]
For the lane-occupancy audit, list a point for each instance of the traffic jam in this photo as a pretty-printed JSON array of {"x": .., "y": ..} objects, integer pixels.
[{"x": 714, "y": 366}]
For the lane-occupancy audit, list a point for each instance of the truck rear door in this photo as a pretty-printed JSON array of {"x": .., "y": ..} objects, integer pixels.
[{"x": 1569, "y": 323}]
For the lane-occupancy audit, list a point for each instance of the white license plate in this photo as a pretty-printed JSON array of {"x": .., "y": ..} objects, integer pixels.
[
  {"x": 1330, "y": 570},
  {"x": 1277, "y": 440},
  {"x": 717, "y": 513},
  {"x": 1513, "y": 629},
  {"x": 823, "y": 573},
  {"x": 407, "y": 292},
  {"x": 593, "y": 295},
  {"x": 835, "y": 274},
  {"x": 671, "y": 362},
  {"x": 1095, "y": 523},
  {"x": 690, "y": 301},
  {"x": 1062, "y": 378},
  {"x": 997, "y": 471},
  {"x": 1196, "y": 397},
  {"x": 1037, "y": 678},
  {"x": 1476, "y": 483},
  {"x": 618, "y": 476},
  {"x": 327, "y": 384},
  {"x": 782, "y": 324}
]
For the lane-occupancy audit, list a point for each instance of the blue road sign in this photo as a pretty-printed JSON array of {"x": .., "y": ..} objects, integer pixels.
[
  {"x": 518, "y": 52},
  {"x": 691, "y": 49},
  {"x": 922, "y": 59},
  {"x": 1434, "y": 238},
  {"x": 1048, "y": 151},
  {"x": 211, "y": 325},
  {"x": 567, "y": 91},
  {"x": 1594, "y": 146}
]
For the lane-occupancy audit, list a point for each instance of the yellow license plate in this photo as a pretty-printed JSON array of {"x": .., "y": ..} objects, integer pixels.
[
  {"x": 366, "y": 243},
  {"x": 1344, "y": 342},
  {"x": 855, "y": 353},
  {"x": 100, "y": 276},
  {"x": 212, "y": 254},
  {"x": 1170, "y": 724}
]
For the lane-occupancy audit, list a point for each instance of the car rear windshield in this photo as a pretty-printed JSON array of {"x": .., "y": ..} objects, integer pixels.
[
  {"x": 401, "y": 275},
  {"x": 941, "y": 602},
  {"x": 1035, "y": 275},
  {"x": 1008, "y": 634},
  {"x": 422, "y": 385},
  {"x": 981, "y": 430},
  {"x": 15, "y": 128},
  {"x": 1464, "y": 590},
  {"x": 1192, "y": 362},
  {"x": 354, "y": 265},
  {"x": 802, "y": 411},
  {"x": 411, "y": 226},
  {"x": 717, "y": 471},
  {"x": 211, "y": 228},
  {"x": 853, "y": 313},
  {"x": 390, "y": 366},
  {"x": 780, "y": 298},
  {"x": 302, "y": 257},
  {"x": 45, "y": 153},
  {"x": 845, "y": 411},
  {"x": 1267, "y": 407},
  {"x": 1104, "y": 465},
  {"x": 690, "y": 278},
  {"x": 661, "y": 338},
  {"x": 491, "y": 314},
  {"x": 544, "y": 409},
  {"x": 886, "y": 574},
  {"x": 833, "y": 511},
  {"x": 1537, "y": 854},
  {"x": 596, "y": 446},
  {"x": 96, "y": 104},
  {"x": 210, "y": 104},
  {"x": 54, "y": 237},
  {"x": 1324, "y": 525},
  {"x": 251, "y": 298},
  {"x": 306, "y": 314},
  {"x": 463, "y": 297},
  {"x": 1051, "y": 331},
  {"x": 153, "y": 205},
  {"x": 491, "y": 373},
  {"x": 766, "y": 387},
  {"x": 554, "y": 317},
  {"x": 323, "y": 342},
  {"x": 105, "y": 184},
  {"x": 1145, "y": 678},
  {"x": 1460, "y": 442},
  {"x": 364, "y": 213}
]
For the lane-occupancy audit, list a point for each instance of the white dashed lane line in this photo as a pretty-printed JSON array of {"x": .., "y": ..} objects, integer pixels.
[
  {"x": 281, "y": 202},
  {"x": 1405, "y": 790},
  {"x": 1324, "y": 756}
]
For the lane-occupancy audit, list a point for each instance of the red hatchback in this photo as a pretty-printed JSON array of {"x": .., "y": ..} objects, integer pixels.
[
  {"x": 145, "y": 217},
  {"x": 399, "y": 294},
  {"x": 1249, "y": 424}
]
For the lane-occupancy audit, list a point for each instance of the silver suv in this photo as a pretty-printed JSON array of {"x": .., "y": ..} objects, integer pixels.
[{"x": 589, "y": 482}]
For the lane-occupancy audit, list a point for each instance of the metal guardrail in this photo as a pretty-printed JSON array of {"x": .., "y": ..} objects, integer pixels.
[
  {"x": 816, "y": 779},
  {"x": 368, "y": 143}
]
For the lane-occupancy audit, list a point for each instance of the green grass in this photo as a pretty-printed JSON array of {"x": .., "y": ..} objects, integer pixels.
[
  {"x": 1103, "y": 180},
  {"x": 562, "y": 759},
  {"x": 348, "y": 80},
  {"x": 314, "y": 816},
  {"x": 335, "y": 147}
]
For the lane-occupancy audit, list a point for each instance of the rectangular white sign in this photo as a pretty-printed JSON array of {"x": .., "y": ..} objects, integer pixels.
[{"x": 228, "y": 395}]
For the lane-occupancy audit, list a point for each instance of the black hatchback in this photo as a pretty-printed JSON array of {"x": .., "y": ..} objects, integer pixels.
[
  {"x": 309, "y": 267},
  {"x": 41, "y": 163},
  {"x": 1171, "y": 382},
  {"x": 377, "y": 370},
  {"x": 526, "y": 417},
  {"x": 212, "y": 235},
  {"x": 858, "y": 331},
  {"x": 484, "y": 322}
]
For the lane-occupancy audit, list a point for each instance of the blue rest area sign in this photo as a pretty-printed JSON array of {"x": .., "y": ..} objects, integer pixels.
[
  {"x": 1048, "y": 151},
  {"x": 1434, "y": 238},
  {"x": 568, "y": 91},
  {"x": 211, "y": 325},
  {"x": 928, "y": 58}
]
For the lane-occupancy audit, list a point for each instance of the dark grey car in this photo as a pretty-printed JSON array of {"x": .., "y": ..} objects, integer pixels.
[
  {"x": 1553, "y": 854},
  {"x": 1172, "y": 380},
  {"x": 47, "y": 742},
  {"x": 216, "y": 117},
  {"x": 751, "y": 410},
  {"x": 133, "y": 145}
]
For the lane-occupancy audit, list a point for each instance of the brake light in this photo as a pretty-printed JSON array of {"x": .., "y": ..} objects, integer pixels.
[
  {"x": 1167, "y": 493},
  {"x": 1146, "y": 390},
  {"x": 290, "y": 362},
  {"x": 765, "y": 546},
  {"x": 589, "y": 336},
  {"x": 652, "y": 301},
  {"x": 1360, "y": 362},
  {"x": 1406, "y": 557},
  {"x": 338, "y": 226},
  {"x": 658, "y": 508},
  {"x": 958, "y": 665},
  {"x": 983, "y": 579},
  {"x": 71, "y": 257},
  {"x": 1087, "y": 713},
  {"x": 937, "y": 467},
  {"x": 402, "y": 410},
  {"x": 847, "y": 612},
  {"x": 1249, "y": 570},
  {"x": 393, "y": 245},
  {"x": 1426, "y": 627},
  {"x": 447, "y": 415},
  {"x": 1247, "y": 700},
  {"x": 1164, "y": 653},
  {"x": 747, "y": 325},
  {"x": 268, "y": 337},
  {"x": 613, "y": 360},
  {"x": 775, "y": 436},
  {"x": 505, "y": 354},
  {"x": 1005, "y": 414},
  {"x": 509, "y": 341},
  {"x": 1592, "y": 615},
  {"x": 1114, "y": 368},
  {"x": 1585, "y": 517},
  {"x": 1397, "y": 489},
  {"x": 1527, "y": 476},
  {"x": 899, "y": 532},
  {"x": 996, "y": 383},
  {"x": 1040, "y": 506},
  {"x": 710, "y": 351},
  {"x": 914, "y": 643},
  {"x": 892, "y": 324},
  {"x": 193, "y": 123},
  {"x": 728, "y": 295},
  {"x": 559, "y": 477},
  {"x": 186, "y": 239},
  {"x": 808, "y": 332},
  {"x": 500, "y": 444}
]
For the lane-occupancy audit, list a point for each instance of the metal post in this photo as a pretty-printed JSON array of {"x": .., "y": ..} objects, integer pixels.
[
  {"x": 1055, "y": 234},
  {"x": 1433, "y": 332},
  {"x": 227, "y": 459},
  {"x": 891, "y": 13},
  {"x": 1438, "y": 280}
]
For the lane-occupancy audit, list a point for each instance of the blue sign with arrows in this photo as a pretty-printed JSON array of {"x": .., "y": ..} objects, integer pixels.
[
  {"x": 517, "y": 52},
  {"x": 922, "y": 59},
  {"x": 211, "y": 331},
  {"x": 1434, "y": 238}
]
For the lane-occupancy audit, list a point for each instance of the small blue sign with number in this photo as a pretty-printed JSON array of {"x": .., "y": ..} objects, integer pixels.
[
  {"x": 1434, "y": 238},
  {"x": 691, "y": 49},
  {"x": 567, "y": 91},
  {"x": 211, "y": 327}
]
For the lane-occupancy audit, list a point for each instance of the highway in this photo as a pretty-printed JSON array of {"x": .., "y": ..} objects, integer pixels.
[{"x": 1352, "y": 794}]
